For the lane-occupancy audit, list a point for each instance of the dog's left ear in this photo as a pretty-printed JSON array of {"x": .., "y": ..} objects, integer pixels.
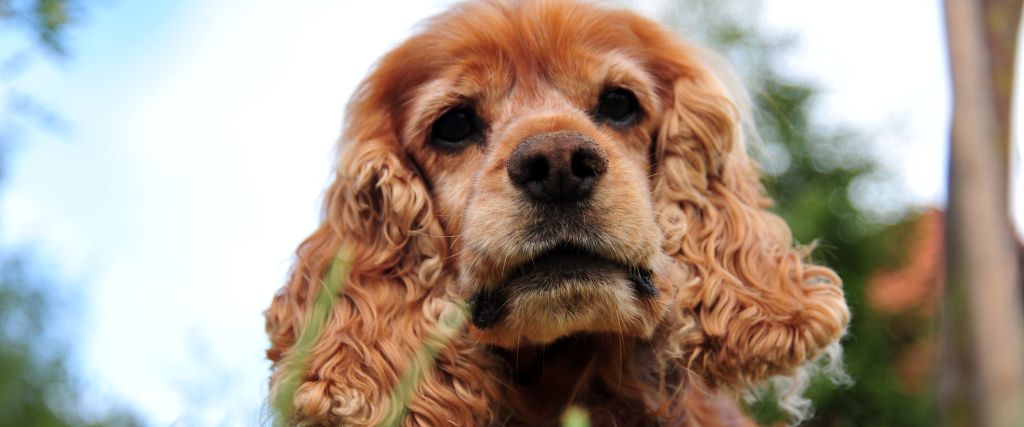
[{"x": 748, "y": 305}]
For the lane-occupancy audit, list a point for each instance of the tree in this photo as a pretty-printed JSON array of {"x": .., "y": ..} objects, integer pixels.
[
  {"x": 36, "y": 387},
  {"x": 984, "y": 349}
]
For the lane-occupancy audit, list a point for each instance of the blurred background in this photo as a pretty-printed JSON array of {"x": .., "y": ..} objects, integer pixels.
[{"x": 160, "y": 161}]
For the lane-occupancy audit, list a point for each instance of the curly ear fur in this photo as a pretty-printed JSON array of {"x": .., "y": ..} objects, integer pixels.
[
  {"x": 391, "y": 301},
  {"x": 749, "y": 305}
]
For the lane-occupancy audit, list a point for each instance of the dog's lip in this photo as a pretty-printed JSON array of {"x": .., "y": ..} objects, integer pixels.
[
  {"x": 568, "y": 261},
  {"x": 564, "y": 263},
  {"x": 564, "y": 260}
]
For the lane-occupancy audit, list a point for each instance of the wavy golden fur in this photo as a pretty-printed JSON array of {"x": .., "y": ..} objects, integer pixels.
[{"x": 734, "y": 303}]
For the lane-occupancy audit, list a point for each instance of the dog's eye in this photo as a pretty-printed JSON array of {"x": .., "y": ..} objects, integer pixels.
[
  {"x": 618, "y": 105},
  {"x": 456, "y": 128}
]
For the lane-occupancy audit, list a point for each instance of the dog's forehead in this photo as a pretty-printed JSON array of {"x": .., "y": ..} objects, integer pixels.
[
  {"x": 531, "y": 81},
  {"x": 536, "y": 38},
  {"x": 522, "y": 43}
]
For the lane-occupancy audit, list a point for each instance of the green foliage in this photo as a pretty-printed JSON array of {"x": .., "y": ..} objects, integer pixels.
[
  {"x": 35, "y": 387},
  {"x": 575, "y": 417},
  {"x": 26, "y": 377},
  {"x": 765, "y": 410},
  {"x": 812, "y": 170}
]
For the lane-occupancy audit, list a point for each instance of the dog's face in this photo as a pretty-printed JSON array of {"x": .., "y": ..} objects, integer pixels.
[
  {"x": 536, "y": 143},
  {"x": 566, "y": 169}
]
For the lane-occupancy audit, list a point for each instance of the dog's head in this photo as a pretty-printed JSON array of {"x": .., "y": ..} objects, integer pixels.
[
  {"x": 568, "y": 168},
  {"x": 535, "y": 127}
]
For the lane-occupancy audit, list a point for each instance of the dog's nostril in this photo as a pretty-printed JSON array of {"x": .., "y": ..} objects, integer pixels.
[
  {"x": 536, "y": 169},
  {"x": 585, "y": 164},
  {"x": 528, "y": 170}
]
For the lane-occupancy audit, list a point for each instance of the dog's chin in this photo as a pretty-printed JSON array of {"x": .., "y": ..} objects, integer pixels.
[{"x": 563, "y": 292}]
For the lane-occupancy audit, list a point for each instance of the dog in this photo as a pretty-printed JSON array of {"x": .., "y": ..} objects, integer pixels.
[{"x": 575, "y": 179}]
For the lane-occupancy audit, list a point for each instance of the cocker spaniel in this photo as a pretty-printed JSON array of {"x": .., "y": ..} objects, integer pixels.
[{"x": 576, "y": 176}]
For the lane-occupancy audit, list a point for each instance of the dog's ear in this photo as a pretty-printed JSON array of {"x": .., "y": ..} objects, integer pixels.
[
  {"x": 748, "y": 303},
  {"x": 389, "y": 307}
]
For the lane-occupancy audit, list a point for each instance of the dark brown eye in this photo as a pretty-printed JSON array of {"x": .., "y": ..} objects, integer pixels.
[
  {"x": 456, "y": 128},
  {"x": 618, "y": 106}
]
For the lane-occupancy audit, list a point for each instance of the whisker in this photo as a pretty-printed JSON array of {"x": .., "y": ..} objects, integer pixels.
[
  {"x": 437, "y": 235},
  {"x": 455, "y": 254}
]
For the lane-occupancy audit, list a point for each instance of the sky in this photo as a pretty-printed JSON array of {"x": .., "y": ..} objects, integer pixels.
[{"x": 198, "y": 138}]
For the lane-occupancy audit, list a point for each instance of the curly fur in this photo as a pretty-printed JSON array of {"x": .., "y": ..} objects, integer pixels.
[{"x": 739, "y": 305}]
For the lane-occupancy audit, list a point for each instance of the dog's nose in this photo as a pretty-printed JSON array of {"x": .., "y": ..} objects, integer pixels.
[{"x": 557, "y": 167}]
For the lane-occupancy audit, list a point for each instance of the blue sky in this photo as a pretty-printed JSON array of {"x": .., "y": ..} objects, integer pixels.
[{"x": 200, "y": 138}]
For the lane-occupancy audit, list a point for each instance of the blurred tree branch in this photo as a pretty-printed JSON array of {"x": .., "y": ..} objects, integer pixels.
[
  {"x": 38, "y": 29},
  {"x": 46, "y": 20},
  {"x": 982, "y": 380}
]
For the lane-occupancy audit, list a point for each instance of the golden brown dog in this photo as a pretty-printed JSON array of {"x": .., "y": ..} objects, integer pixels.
[{"x": 579, "y": 176}]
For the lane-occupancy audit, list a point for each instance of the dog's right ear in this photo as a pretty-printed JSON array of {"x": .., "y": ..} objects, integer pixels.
[{"x": 390, "y": 304}]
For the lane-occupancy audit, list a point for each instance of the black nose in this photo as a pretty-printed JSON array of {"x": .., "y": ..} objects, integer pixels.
[{"x": 557, "y": 167}]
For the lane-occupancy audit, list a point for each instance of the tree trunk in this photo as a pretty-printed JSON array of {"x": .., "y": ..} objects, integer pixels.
[{"x": 982, "y": 379}]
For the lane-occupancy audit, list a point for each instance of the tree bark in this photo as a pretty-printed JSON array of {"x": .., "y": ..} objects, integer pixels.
[{"x": 983, "y": 320}]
